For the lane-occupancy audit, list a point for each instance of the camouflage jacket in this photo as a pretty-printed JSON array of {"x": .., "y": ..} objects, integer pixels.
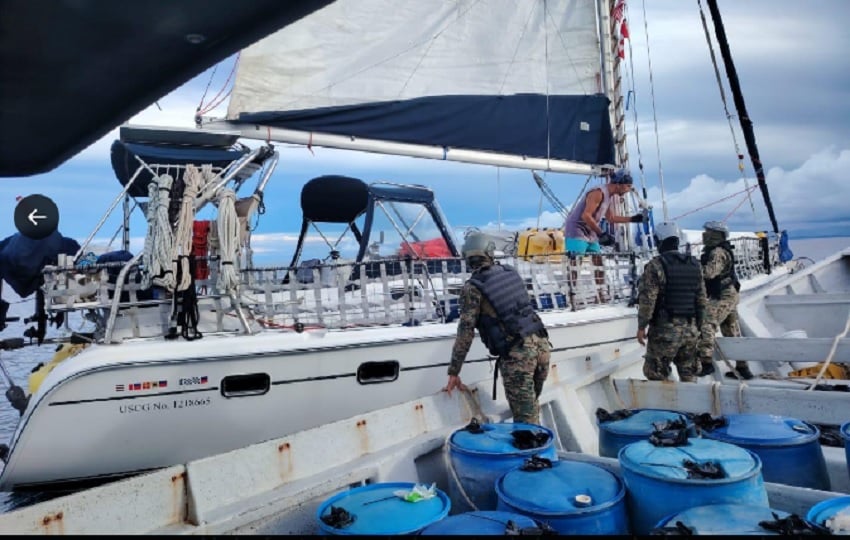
[
  {"x": 652, "y": 284},
  {"x": 471, "y": 304},
  {"x": 718, "y": 263}
]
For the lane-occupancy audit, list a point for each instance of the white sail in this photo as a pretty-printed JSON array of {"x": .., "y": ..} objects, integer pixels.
[{"x": 522, "y": 80}]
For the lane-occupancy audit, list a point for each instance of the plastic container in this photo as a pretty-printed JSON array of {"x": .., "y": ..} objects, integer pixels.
[
  {"x": 377, "y": 510},
  {"x": 616, "y": 434},
  {"x": 534, "y": 244},
  {"x": 845, "y": 434},
  {"x": 479, "y": 459},
  {"x": 485, "y": 522},
  {"x": 572, "y": 497},
  {"x": 824, "y": 511},
  {"x": 660, "y": 484},
  {"x": 789, "y": 449},
  {"x": 725, "y": 519}
]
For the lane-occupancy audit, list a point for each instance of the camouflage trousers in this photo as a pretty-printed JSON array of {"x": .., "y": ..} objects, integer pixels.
[
  {"x": 672, "y": 341},
  {"x": 720, "y": 315},
  {"x": 523, "y": 372}
]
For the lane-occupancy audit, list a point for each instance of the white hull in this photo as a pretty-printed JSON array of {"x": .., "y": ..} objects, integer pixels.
[{"x": 313, "y": 381}]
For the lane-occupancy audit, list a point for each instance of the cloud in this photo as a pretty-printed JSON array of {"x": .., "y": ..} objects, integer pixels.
[{"x": 808, "y": 199}]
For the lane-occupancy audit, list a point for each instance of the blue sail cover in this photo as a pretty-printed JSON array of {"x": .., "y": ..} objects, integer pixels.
[
  {"x": 505, "y": 124},
  {"x": 519, "y": 79}
]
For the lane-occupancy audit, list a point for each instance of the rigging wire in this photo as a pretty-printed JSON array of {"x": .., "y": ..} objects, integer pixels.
[
  {"x": 548, "y": 118},
  {"x": 703, "y": 207},
  {"x": 654, "y": 114},
  {"x": 219, "y": 98},
  {"x": 633, "y": 103},
  {"x": 726, "y": 110}
]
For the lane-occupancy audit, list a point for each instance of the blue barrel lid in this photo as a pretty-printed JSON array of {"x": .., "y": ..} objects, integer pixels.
[
  {"x": 764, "y": 430},
  {"x": 640, "y": 423},
  {"x": 845, "y": 432},
  {"x": 569, "y": 487},
  {"x": 725, "y": 519},
  {"x": 667, "y": 462},
  {"x": 827, "y": 509},
  {"x": 377, "y": 510},
  {"x": 496, "y": 439},
  {"x": 483, "y": 522}
]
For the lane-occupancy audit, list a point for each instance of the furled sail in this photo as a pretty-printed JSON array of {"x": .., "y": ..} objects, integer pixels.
[{"x": 491, "y": 81}]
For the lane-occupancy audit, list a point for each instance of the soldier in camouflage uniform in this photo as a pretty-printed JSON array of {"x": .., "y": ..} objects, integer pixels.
[
  {"x": 722, "y": 286},
  {"x": 495, "y": 301},
  {"x": 671, "y": 301}
]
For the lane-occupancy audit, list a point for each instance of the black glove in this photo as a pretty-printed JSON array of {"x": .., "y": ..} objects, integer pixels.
[
  {"x": 606, "y": 239},
  {"x": 638, "y": 218}
]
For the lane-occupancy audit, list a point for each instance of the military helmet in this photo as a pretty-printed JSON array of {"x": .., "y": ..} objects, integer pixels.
[
  {"x": 477, "y": 244},
  {"x": 621, "y": 176},
  {"x": 717, "y": 226},
  {"x": 667, "y": 229}
]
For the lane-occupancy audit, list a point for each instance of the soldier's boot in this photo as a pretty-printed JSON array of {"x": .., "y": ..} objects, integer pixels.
[
  {"x": 656, "y": 370},
  {"x": 741, "y": 371},
  {"x": 706, "y": 367}
]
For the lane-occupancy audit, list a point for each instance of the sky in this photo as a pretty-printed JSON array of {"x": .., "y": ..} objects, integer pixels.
[{"x": 791, "y": 59}]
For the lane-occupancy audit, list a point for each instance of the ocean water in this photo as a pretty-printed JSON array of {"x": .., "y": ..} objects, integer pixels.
[{"x": 19, "y": 364}]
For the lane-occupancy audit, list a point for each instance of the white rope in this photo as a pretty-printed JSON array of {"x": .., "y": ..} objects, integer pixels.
[
  {"x": 162, "y": 236},
  {"x": 451, "y": 468},
  {"x": 227, "y": 223},
  {"x": 831, "y": 354},
  {"x": 182, "y": 245},
  {"x": 147, "y": 255}
]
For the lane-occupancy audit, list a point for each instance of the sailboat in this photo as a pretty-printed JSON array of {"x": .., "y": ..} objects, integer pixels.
[{"x": 191, "y": 350}]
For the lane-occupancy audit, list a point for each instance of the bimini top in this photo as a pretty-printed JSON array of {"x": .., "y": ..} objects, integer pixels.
[{"x": 341, "y": 199}]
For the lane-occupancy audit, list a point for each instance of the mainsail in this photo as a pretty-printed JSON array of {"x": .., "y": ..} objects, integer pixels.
[{"x": 488, "y": 81}]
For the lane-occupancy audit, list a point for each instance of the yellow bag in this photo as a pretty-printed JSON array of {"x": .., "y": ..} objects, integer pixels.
[
  {"x": 833, "y": 371},
  {"x": 540, "y": 245}
]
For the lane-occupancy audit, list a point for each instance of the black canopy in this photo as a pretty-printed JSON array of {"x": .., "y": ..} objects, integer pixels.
[{"x": 74, "y": 69}]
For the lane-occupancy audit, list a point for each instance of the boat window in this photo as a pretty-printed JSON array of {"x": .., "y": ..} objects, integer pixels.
[
  {"x": 377, "y": 372},
  {"x": 403, "y": 229},
  {"x": 251, "y": 384}
]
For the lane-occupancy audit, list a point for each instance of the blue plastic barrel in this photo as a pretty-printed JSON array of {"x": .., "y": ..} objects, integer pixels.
[
  {"x": 616, "y": 434},
  {"x": 824, "y": 511},
  {"x": 375, "y": 509},
  {"x": 484, "y": 522},
  {"x": 660, "y": 484},
  {"x": 479, "y": 459},
  {"x": 789, "y": 449},
  {"x": 725, "y": 519},
  {"x": 845, "y": 434},
  {"x": 572, "y": 497}
]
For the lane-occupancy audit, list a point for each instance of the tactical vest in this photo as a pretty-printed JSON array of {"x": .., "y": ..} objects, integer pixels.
[
  {"x": 503, "y": 287},
  {"x": 715, "y": 286},
  {"x": 682, "y": 275}
]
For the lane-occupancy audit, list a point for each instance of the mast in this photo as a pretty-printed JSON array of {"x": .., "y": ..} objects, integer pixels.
[{"x": 746, "y": 123}]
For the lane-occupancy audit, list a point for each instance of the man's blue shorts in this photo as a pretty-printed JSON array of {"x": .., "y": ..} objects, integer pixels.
[{"x": 580, "y": 247}]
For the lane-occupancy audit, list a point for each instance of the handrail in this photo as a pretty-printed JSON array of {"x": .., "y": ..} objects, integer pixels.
[{"x": 116, "y": 298}]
